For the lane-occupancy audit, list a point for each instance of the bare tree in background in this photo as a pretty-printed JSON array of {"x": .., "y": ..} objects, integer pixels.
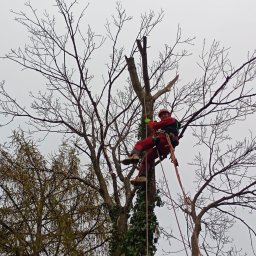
[
  {"x": 212, "y": 106},
  {"x": 102, "y": 118}
]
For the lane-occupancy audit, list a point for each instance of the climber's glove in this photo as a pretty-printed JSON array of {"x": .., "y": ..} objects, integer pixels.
[{"x": 147, "y": 120}]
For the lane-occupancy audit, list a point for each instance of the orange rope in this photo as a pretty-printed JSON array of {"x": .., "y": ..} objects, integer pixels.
[
  {"x": 174, "y": 161},
  {"x": 175, "y": 213},
  {"x": 187, "y": 200}
]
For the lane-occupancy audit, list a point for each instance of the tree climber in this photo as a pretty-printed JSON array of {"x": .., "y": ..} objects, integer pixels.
[{"x": 155, "y": 145}]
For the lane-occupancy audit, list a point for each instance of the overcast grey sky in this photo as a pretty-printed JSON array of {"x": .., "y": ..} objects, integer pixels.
[{"x": 232, "y": 22}]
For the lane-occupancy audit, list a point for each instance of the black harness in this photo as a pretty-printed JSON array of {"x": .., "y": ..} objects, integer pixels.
[{"x": 172, "y": 128}]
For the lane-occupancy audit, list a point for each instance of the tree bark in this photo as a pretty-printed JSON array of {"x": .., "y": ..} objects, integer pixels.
[
  {"x": 147, "y": 103},
  {"x": 194, "y": 238}
]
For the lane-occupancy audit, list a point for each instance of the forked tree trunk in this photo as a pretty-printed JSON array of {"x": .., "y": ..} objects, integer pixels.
[{"x": 147, "y": 102}]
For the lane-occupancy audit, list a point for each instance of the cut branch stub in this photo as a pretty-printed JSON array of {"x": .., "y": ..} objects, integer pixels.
[
  {"x": 135, "y": 79},
  {"x": 166, "y": 89}
]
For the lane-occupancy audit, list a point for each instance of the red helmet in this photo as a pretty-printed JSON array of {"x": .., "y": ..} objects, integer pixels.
[{"x": 163, "y": 111}]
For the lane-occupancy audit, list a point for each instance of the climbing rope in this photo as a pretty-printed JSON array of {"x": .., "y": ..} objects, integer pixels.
[
  {"x": 146, "y": 166},
  {"x": 187, "y": 200},
  {"x": 173, "y": 206},
  {"x": 174, "y": 161},
  {"x": 147, "y": 228}
]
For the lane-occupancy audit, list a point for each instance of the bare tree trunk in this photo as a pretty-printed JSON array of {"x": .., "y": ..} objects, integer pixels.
[{"x": 194, "y": 238}]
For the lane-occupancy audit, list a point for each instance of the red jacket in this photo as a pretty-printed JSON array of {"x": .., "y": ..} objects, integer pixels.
[{"x": 154, "y": 125}]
